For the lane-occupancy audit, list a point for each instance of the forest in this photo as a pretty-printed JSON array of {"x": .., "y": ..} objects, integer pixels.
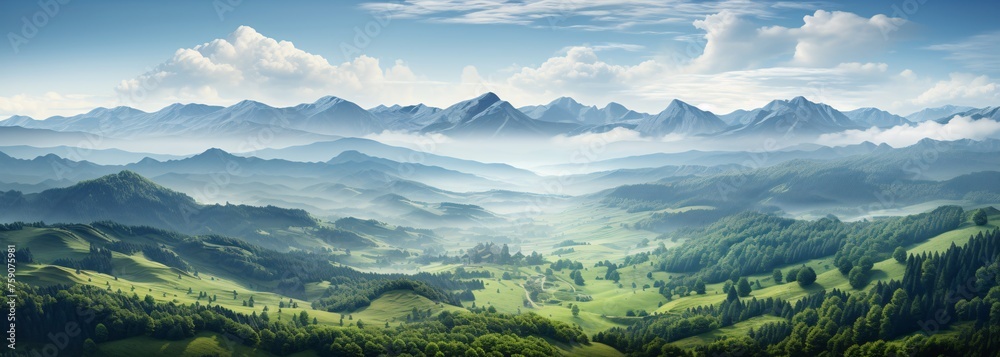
[{"x": 960, "y": 286}]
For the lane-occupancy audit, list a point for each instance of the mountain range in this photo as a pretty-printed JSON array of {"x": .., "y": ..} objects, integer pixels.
[{"x": 330, "y": 118}]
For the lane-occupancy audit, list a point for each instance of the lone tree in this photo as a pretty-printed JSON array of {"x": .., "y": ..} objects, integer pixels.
[
  {"x": 900, "y": 255},
  {"x": 979, "y": 218},
  {"x": 806, "y": 276},
  {"x": 576, "y": 310},
  {"x": 858, "y": 278},
  {"x": 731, "y": 295},
  {"x": 743, "y": 287},
  {"x": 777, "y": 276},
  {"x": 699, "y": 287}
]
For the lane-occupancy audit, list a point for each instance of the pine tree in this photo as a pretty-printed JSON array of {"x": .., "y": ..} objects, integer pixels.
[{"x": 743, "y": 287}]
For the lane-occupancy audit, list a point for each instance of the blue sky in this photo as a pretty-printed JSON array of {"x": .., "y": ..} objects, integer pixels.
[{"x": 897, "y": 55}]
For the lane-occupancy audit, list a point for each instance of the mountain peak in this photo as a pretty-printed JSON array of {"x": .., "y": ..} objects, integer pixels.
[
  {"x": 488, "y": 97},
  {"x": 327, "y": 100},
  {"x": 350, "y": 156},
  {"x": 212, "y": 153},
  {"x": 565, "y": 101},
  {"x": 679, "y": 103},
  {"x": 247, "y": 103},
  {"x": 799, "y": 99},
  {"x": 681, "y": 118}
]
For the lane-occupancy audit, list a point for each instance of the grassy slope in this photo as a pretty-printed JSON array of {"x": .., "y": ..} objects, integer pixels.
[
  {"x": 168, "y": 284},
  {"x": 738, "y": 329}
]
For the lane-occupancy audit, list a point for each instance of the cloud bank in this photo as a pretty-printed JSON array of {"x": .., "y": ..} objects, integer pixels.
[{"x": 957, "y": 128}]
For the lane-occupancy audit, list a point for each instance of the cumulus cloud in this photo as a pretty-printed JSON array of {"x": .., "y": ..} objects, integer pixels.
[
  {"x": 960, "y": 86},
  {"x": 734, "y": 43},
  {"x": 250, "y": 65},
  {"x": 825, "y": 39},
  {"x": 957, "y": 128},
  {"x": 579, "y": 69}
]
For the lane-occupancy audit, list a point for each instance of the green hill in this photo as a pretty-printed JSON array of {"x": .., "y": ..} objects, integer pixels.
[{"x": 129, "y": 198}]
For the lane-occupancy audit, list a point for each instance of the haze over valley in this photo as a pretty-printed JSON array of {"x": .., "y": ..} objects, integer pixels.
[{"x": 534, "y": 179}]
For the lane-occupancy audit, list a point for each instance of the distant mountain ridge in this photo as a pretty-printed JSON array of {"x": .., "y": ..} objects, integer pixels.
[
  {"x": 874, "y": 117},
  {"x": 486, "y": 116}
]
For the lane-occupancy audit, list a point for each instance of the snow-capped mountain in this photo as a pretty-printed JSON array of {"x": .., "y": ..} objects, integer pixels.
[
  {"x": 870, "y": 117},
  {"x": 488, "y": 116},
  {"x": 327, "y": 116},
  {"x": 991, "y": 113},
  {"x": 734, "y": 117},
  {"x": 408, "y": 117},
  {"x": 568, "y": 110},
  {"x": 681, "y": 118},
  {"x": 334, "y": 116},
  {"x": 798, "y": 115},
  {"x": 937, "y": 113}
]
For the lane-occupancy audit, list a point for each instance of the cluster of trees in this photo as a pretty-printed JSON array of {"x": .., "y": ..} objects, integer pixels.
[
  {"x": 152, "y": 252},
  {"x": 561, "y": 251},
  {"x": 103, "y": 316},
  {"x": 495, "y": 254},
  {"x": 636, "y": 259},
  {"x": 569, "y": 243},
  {"x": 561, "y": 264},
  {"x": 98, "y": 259},
  {"x": 751, "y": 242},
  {"x": 399, "y": 236},
  {"x": 343, "y": 238},
  {"x": 805, "y": 276},
  {"x": 350, "y": 294},
  {"x": 612, "y": 272},
  {"x": 462, "y": 273},
  {"x": 16, "y": 226},
  {"x": 24, "y": 256}
]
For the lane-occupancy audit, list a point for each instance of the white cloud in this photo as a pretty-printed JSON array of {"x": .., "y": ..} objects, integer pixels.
[
  {"x": 825, "y": 39},
  {"x": 48, "y": 104},
  {"x": 579, "y": 66},
  {"x": 426, "y": 142},
  {"x": 650, "y": 85},
  {"x": 596, "y": 15},
  {"x": 904, "y": 135},
  {"x": 249, "y": 65},
  {"x": 731, "y": 42},
  {"x": 599, "y": 139},
  {"x": 961, "y": 88},
  {"x": 978, "y": 53}
]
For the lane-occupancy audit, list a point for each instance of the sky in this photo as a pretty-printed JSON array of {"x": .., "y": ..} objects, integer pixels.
[{"x": 65, "y": 57}]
